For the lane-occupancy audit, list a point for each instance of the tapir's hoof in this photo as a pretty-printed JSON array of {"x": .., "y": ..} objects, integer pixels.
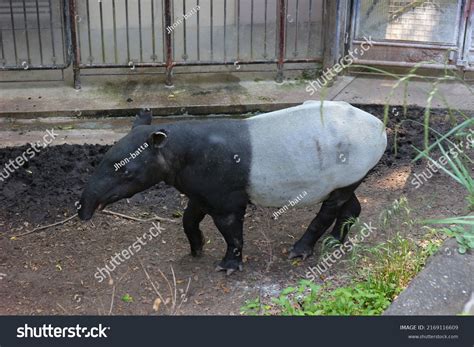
[
  {"x": 197, "y": 253},
  {"x": 229, "y": 266},
  {"x": 300, "y": 252}
]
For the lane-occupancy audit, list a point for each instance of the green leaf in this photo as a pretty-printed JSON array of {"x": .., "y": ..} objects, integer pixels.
[{"x": 127, "y": 298}]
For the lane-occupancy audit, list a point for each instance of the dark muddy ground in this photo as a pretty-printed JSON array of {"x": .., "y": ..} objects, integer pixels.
[{"x": 52, "y": 271}]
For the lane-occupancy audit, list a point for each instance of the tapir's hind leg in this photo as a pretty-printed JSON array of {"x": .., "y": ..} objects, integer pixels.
[
  {"x": 347, "y": 215},
  {"x": 193, "y": 215},
  {"x": 329, "y": 211}
]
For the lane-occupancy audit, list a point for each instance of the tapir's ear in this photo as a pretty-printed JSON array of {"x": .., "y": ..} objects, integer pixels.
[
  {"x": 158, "y": 139},
  {"x": 143, "y": 117}
]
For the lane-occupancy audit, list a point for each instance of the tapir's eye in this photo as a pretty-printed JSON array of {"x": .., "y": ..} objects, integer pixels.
[{"x": 127, "y": 174}]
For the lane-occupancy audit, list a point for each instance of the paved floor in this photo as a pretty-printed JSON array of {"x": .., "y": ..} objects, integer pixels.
[{"x": 27, "y": 109}]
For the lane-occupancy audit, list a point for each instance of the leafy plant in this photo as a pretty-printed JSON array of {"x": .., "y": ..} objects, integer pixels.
[
  {"x": 251, "y": 307},
  {"x": 309, "y": 299},
  {"x": 456, "y": 169},
  {"x": 459, "y": 229},
  {"x": 386, "y": 271},
  {"x": 127, "y": 298}
]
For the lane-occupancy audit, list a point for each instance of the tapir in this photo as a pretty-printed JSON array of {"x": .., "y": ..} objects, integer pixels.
[{"x": 324, "y": 149}]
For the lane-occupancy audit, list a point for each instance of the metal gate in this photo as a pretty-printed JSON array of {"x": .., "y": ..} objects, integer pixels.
[
  {"x": 166, "y": 33},
  {"x": 90, "y": 34},
  {"x": 33, "y": 34},
  {"x": 410, "y": 33}
]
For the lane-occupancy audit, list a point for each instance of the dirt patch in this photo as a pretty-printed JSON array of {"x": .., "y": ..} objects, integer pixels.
[{"x": 52, "y": 272}]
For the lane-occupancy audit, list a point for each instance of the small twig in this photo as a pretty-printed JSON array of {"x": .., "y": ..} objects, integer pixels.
[
  {"x": 158, "y": 218},
  {"x": 183, "y": 296},
  {"x": 103, "y": 308},
  {"x": 152, "y": 283},
  {"x": 112, "y": 301},
  {"x": 45, "y": 226},
  {"x": 170, "y": 289},
  {"x": 139, "y": 219},
  {"x": 62, "y": 308},
  {"x": 175, "y": 290}
]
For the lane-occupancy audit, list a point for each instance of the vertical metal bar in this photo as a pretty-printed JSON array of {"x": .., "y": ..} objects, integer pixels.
[
  {"x": 89, "y": 38},
  {"x": 66, "y": 35},
  {"x": 169, "y": 47},
  {"x": 2, "y": 49},
  {"x": 465, "y": 42},
  {"x": 309, "y": 27},
  {"x": 140, "y": 29},
  {"x": 251, "y": 29},
  {"x": 153, "y": 35},
  {"x": 172, "y": 33},
  {"x": 238, "y": 29},
  {"x": 197, "y": 33},
  {"x": 26, "y": 33},
  {"x": 63, "y": 9},
  {"x": 287, "y": 20},
  {"x": 13, "y": 32},
  {"x": 295, "y": 53},
  {"x": 185, "y": 48},
  {"x": 164, "y": 28},
  {"x": 102, "y": 31},
  {"x": 39, "y": 32},
  {"x": 281, "y": 10},
  {"x": 212, "y": 30},
  {"x": 53, "y": 47},
  {"x": 76, "y": 52},
  {"x": 265, "y": 32},
  {"x": 225, "y": 30},
  {"x": 127, "y": 30},
  {"x": 114, "y": 19}
]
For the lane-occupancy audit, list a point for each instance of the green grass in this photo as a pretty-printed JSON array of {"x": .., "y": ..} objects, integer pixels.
[
  {"x": 388, "y": 268},
  {"x": 380, "y": 273},
  {"x": 459, "y": 168}
]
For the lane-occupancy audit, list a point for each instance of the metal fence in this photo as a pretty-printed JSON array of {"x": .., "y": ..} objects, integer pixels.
[
  {"x": 165, "y": 33},
  {"x": 92, "y": 34},
  {"x": 32, "y": 34}
]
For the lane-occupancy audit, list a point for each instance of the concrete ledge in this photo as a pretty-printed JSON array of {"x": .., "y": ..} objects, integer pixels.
[
  {"x": 123, "y": 95},
  {"x": 442, "y": 288}
]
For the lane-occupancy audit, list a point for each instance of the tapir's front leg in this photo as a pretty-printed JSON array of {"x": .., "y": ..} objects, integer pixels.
[
  {"x": 193, "y": 215},
  {"x": 231, "y": 227}
]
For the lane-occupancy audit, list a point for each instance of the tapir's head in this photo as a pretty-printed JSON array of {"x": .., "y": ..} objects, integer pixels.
[{"x": 133, "y": 164}]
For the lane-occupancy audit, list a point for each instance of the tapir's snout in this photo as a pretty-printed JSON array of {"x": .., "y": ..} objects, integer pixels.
[{"x": 87, "y": 205}]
